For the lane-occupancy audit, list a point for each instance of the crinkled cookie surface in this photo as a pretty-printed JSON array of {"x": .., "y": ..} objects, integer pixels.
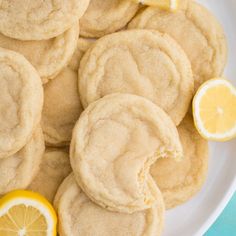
[
  {"x": 75, "y": 208},
  {"x": 141, "y": 62},
  {"x": 49, "y": 56},
  {"x": 21, "y": 96},
  {"x": 179, "y": 181},
  {"x": 197, "y": 31},
  {"x": 18, "y": 170},
  {"x": 39, "y": 19},
  {"x": 113, "y": 145},
  {"x": 106, "y": 16}
]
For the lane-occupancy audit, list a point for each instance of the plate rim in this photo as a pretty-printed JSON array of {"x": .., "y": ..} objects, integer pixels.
[
  {"x": 214, "y": 215},
  {"x": 218, "y": 210}
]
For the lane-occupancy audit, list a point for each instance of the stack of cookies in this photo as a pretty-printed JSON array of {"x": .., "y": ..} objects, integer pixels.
[{"x": 110, "y": 83}]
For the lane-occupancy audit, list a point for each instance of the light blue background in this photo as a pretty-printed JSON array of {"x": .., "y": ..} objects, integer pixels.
[{"x": 225, "y": 225}]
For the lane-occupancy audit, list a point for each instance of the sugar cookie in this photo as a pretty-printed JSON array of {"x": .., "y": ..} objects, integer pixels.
[
  {"x": 78, "y": 215},
  {"x": 114, "y": 143},
  {"x": 142, "y": 62},
  {"x": 21, "y": 96},
  {"x": 106, "y": 16},
  {"x": 197, "y": 31},
  {"x": 38, "y": 19},
  {"x": 48, "y": 57},
  {"x": 18, "y": 170},
  {"x": 179, "y": 181}
]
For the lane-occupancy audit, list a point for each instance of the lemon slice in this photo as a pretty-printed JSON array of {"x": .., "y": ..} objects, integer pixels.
[
  {"x": 214, "y": 110},
  {"x": 25, "y": 213},
  {"x": 169, "y": 5}
]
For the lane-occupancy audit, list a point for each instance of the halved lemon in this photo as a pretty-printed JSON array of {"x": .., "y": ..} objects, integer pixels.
[
  {"x": 169, "y": 5},
  {"x": 25, "y": 213},
  {"x": 214, "y": 110}
]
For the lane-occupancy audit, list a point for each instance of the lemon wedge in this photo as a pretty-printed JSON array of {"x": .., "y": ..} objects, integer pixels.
[
  {"x": 25, "y": 213},
  {"x": 169, "y": 5},
  {"x": 214, "y": 110}
]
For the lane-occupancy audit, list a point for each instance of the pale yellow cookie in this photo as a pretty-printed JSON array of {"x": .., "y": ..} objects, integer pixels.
[
  {"x": 21, "y": 101},
  {"x": 18, "y": 170},
  {"x": 37, "y": 19},
  {"x": 197, "y": 31},
  {"x": 48, "y": 57},
  {"x": 106, "y": 16},
  {"x": 142, "y": 62},
  {"x": 62, "y": 105},
  {"x": 78, "y": 215},
  {"x": 179, "y": 181},
  {"x": 54, "y": 168},
  {"x": 113, "y": 145}
]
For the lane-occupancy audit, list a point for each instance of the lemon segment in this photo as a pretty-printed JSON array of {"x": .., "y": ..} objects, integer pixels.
[
  {"x": 168, "y": 5},
  {"x": 25, "y": 213},
  {"x": 214, "y": 110}
]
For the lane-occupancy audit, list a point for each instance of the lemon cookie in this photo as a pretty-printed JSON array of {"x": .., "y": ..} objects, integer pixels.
[
  {"x": 21, "y": 96},
  {"x": 18, "y": 170},
  {"x": 62, "y": 105},
  {"x": 37, "y": 19},
  {"x": 54, "y": 168},
  {"x": 197, "y": 31},
  {"x": 142, "y": 62},
  {"x": 48, "y": 57},
  {"x": 78, "y": 215},
  {"x": 113, "y": 145},
  {"x": 179, "y": 181},
  {"x": 106, "y": 16}
]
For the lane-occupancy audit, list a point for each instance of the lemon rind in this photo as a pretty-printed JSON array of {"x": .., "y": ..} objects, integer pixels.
[{"x": 33, "y": 199}]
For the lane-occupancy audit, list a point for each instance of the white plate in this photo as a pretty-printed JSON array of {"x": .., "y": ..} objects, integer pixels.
[{"x": 196, "y": 216}]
